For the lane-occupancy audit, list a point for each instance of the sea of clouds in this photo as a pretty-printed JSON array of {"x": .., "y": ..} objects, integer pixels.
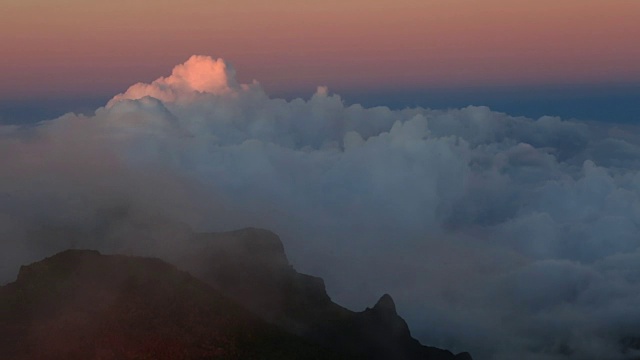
[{"x": 509, "y": 237}]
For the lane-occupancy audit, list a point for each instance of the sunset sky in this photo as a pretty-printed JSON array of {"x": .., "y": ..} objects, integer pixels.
[
  {"x": 477, "y": 159},
  {"x": 71, "y": 49}
]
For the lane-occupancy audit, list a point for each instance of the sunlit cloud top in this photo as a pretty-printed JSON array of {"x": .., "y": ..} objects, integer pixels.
[
  {"x": 507, "y": 236},
  {"x": 200, "y": 74}
]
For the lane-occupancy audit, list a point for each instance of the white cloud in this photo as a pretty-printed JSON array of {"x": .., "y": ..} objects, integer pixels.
[{"x": 506, "y": 236}]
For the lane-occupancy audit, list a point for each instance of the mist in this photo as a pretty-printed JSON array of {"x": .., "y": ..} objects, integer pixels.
[{"x": 508, "y": 237}]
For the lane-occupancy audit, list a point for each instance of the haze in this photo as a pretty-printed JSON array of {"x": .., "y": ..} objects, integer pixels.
[{"x": 508, "y": 236}]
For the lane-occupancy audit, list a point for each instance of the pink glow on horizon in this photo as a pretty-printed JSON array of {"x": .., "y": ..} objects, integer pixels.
[{"x": 73, "y": 47}]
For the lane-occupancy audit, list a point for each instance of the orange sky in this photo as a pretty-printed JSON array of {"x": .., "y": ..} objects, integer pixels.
[{"x": 79, "y": 47}]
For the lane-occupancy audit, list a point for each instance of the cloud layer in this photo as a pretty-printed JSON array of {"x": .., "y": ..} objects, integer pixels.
[{"x": 505, "y": 236}]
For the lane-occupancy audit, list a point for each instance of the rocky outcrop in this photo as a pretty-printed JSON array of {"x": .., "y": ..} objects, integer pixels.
[
  {"x": 84, "y": 305},
  {"x": 250, "y": 266}
]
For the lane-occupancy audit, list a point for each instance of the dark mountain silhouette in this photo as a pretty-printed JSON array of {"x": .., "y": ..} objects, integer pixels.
[
  {"x": 84, "y": 305},
  {"x": 244, "y": 301},
  {"x": 250, "y": 265}
]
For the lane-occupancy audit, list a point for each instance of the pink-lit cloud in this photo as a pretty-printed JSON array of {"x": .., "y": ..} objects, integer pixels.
[
  {"x": 510, "y": 237},
  {"x": 199, "y": 74}
]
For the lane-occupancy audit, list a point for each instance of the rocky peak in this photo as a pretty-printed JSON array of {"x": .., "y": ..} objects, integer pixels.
[
  {"x": 385, "y": 305},
  {"x": 250, "y": 266},
  {"x": 251, "y": 247}
]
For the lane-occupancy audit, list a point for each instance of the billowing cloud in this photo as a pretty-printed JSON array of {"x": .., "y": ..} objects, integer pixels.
[
  {"x": 505, "y": 236},
  {"x": 199, "y": 74}
]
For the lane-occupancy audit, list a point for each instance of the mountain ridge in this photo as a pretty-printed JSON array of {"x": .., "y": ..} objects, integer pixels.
[
  {"x": 249, "y": 268},
  {"x": 250, "y": 265},
  {"x": 80, "y": 304}
]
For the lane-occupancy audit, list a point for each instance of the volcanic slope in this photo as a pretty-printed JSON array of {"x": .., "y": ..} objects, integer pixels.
[
  {"x": 80, "y": 304},
  {"x": 250, "y": 265}
]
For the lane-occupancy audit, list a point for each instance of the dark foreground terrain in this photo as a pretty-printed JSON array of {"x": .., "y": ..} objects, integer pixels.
[{"x": 240, "y": 299}]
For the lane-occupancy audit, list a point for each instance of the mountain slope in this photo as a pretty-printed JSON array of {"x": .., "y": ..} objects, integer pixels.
[
  {"x": 250, "y": 265},
  {"x": 84, "y": 305}
]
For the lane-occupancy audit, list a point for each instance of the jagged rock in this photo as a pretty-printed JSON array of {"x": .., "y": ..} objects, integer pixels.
[
  {"x": 385, "y": 305},
  {"x": 250, "y": 266},
  {"x": 83, "y": 305}
]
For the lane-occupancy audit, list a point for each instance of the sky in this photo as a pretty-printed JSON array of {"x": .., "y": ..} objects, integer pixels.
[
  {"x": 505, "y": 236},
  {"x": 82, "y": 53},
  {"x": 503, "y": 219}
]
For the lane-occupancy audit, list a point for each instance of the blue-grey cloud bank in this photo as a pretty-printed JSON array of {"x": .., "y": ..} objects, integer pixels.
[{"x": 509, "y": 237}]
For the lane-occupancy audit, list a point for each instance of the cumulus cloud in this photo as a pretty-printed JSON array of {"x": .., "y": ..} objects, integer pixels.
[
  {"x": 199, "y": 74},
  {"x": 505, "y": 236}
]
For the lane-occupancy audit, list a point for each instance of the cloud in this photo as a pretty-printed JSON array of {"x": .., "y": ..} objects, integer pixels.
[
  {"x": 199, "y": 74},
  {"x": 506, "y": 236}
]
